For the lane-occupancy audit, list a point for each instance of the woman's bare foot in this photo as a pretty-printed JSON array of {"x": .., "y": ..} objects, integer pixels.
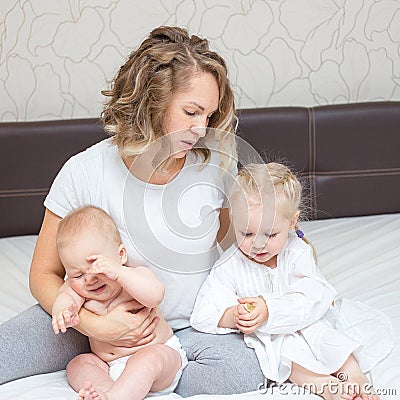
[{"x": 88, "y": 392}]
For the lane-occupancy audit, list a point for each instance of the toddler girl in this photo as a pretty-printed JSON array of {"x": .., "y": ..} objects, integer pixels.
[{"x": 268, "y": 287}]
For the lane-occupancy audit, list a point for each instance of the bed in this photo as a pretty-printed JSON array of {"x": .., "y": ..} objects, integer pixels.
[{"x": 347, "y": 154}]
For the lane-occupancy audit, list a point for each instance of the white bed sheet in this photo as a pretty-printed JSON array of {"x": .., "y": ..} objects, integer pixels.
[{"x": 359, "y": 256}]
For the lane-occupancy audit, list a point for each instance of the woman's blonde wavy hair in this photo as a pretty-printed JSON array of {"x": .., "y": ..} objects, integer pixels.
[
  {"x": 161, "y": 66},
  {"x": 256, "y": 181}
]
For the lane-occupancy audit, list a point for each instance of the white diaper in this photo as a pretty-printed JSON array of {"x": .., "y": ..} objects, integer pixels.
[{"x": 118, "y": 365}]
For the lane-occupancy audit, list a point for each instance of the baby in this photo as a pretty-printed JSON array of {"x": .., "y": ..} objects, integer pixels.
[{"x": 94, "y": 258}]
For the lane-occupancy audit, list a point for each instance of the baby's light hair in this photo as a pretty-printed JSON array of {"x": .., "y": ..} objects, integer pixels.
[
  {"x": 256, "y": 181},
  {"x": 83, "y": 219}
]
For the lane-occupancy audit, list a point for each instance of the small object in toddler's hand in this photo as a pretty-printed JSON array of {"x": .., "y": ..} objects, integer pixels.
[{"x": 249, "y": 306}]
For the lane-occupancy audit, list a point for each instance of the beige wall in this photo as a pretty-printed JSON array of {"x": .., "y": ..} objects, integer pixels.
[{"x": 56, "y": 55}]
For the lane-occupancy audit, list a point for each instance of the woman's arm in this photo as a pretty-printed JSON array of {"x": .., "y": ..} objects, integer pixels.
[
  {"x": 225, "y": 235},
  {"x": 47, "y": 272},
  {"x": 120, "y": 326}
]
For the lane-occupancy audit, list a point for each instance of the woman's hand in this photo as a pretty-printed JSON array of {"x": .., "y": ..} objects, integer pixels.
[
  {"x": 248, "y": 321},
  {"x": 128, "y": 324}
]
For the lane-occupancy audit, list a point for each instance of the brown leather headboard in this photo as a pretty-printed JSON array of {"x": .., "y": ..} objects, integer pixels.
[
  {"x": 348, "y": 153},
  {"x": 31, "y": 154}
]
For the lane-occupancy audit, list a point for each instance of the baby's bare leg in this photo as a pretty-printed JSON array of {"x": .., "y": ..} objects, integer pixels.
[
  {"x": 326, "y": 386},
  {"x": 148, "y": 370},
  {"x": 86, "y": 368},
  {"x": 356, "y": 381}
]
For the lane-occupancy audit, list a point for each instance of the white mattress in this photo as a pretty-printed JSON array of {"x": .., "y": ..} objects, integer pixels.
[{"x": 359, "y": 256}]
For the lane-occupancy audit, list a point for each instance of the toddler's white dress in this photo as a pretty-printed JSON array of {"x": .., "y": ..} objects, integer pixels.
[{"x": 301, "y": 317}]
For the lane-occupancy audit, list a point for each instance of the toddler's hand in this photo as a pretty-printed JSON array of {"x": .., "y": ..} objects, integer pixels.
[
  {"x": 104, "y": 265},
  {"x": 250, "y": 313},
  {"x": 65, "y": 318}
]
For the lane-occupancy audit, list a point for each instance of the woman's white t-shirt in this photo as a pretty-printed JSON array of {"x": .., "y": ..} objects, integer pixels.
[{"x": 169, "y": 228}]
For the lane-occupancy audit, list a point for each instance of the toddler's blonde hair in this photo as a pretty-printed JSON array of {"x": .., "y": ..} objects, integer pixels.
[{"x": 256, "y": 181}]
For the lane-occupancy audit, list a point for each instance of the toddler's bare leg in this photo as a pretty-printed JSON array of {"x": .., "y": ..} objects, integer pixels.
[
  {"x": 356, "y": 381},
  {"x": 87, "y": 369},
  {"x": 326, "y": 386}
]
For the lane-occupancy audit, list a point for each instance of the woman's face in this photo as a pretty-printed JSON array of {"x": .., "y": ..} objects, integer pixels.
[{"x": 189, "y": 111}]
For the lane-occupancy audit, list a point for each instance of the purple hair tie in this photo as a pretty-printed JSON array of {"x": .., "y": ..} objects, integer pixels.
[{"x": 299, "y": 233}]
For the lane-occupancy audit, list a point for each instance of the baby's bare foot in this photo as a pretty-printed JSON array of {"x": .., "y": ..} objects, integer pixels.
[
  {"x": 83, "y": 393},
  {"x": 90, "y": 393}
]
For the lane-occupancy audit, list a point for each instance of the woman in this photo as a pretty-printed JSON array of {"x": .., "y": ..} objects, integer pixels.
[{"x": 161, "y": 176}]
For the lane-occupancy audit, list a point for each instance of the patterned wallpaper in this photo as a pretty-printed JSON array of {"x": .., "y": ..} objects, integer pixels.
[{"x": 56, "y": 56}]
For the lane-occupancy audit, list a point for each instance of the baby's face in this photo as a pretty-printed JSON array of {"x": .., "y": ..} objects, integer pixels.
[
  {"x": 261, "y": 232},
  {"x": 74, "y": 258}
]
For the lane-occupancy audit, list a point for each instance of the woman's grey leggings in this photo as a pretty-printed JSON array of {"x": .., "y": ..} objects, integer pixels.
[{"x": 218, "y": 364}]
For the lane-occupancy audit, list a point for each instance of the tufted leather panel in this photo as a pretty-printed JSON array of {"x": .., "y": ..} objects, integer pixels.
[
  {"x": 347, "y": 154},
  {"x": 356, "y": 159},
  {"x": 31, "y": 154},
  {"x": 275, "y": 133}
]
